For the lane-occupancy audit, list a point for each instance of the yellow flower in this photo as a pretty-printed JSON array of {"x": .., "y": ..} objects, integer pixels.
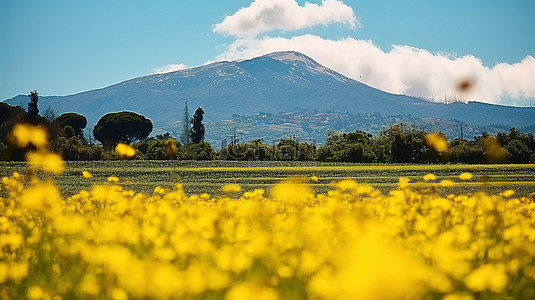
[
  {"x": 48, "y": 162},
  {"x": 159, "y": 190},
  {"x": 492, "y": 277},
  {"x": 89, "y": 286},
  {"x": 446, "y": 183},
  {"x": 124, "y": 151},
  {"x": 436, "y": 141},
  {"x": 458, "y": 296},
  {"x": 86, "y": 174},
  {"x": 292, "y": 191},
  {"x": 170, "y": 148},
  {"x": 507, "y": 193},
  {"x": 231, "y": 188},
  {"x": 118, "y": 294},
  {"x": 43, "y": 197},
  {"x": 247, "y": 291},
  {"x": 314, "y": 178},
  {"x": 36, "y": 293},
  {"x": 403, "y": 183},
  {"x": 113, "y": 179},
  {"x": 429, "y": 177},
  {"x": 345, "y": 185},
  {"x": 23, "y": 135},
  {"x": 4, "y": 269},
  {"x": 494, "y": 152},
  {"x": 17, "y": 271},
  {"x": 465, "y": 176}
]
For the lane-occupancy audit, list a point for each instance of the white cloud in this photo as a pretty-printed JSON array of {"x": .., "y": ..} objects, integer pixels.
[
  {"x": 404, "y": 69},
  {"x": 267, "y": 15},
  {"x": 169, "y": 68}
]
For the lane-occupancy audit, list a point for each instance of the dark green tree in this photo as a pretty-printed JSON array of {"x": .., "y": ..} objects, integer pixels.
[
  {"x": 74, "y": 120},
  {"x": 406, "y": 143},
  {"x": 521, "y": 146},
  {"x": 197, "y": 129},
  {"x": 469, "y": 152},
  {"x": 199, "y": 151},
  {"x": 69, "y": 131},
  {"x": 254, "y": 150},
  {"x": 349, "y": 147},
  {"x": 9, "y": 116},
  {"x": 33, "y": 112},
  {"x": 124, "y": 126}
]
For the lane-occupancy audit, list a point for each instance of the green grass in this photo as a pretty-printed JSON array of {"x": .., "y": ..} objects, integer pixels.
[{"x": 209, "y": 176}]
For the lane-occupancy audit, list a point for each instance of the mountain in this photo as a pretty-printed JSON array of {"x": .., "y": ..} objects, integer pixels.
[{"x": 277, "y": 82}]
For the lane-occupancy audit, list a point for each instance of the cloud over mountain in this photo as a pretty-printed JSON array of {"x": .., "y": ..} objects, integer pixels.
[
  {"x": 286, "y": 15},
  {"x": 404, "y": 69},
  {"x": 169, "y": 68}
]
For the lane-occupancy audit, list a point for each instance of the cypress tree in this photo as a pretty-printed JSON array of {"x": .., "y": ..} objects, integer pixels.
[{"x": 197, "y": 130}]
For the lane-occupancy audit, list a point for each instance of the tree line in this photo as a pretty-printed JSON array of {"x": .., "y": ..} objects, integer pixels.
[
  {"x": 66, "y": 134},
  {"x": 398, "y": 143}
]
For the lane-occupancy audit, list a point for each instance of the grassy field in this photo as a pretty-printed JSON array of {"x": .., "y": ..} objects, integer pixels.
[{"x": 209, "y": 176}]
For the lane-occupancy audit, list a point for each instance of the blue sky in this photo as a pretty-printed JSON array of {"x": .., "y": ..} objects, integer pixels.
[{"x": 69, "y": 46}]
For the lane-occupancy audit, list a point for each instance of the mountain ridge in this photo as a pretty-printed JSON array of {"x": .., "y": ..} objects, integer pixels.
[{"x": 275, "y": 82}]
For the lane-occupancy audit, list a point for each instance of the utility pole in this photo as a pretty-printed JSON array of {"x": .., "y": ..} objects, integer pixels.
[
  {"x": 461, "y": 125},
  {"x": 233, "y": 138},
  {"x": 185, "y": 138}
]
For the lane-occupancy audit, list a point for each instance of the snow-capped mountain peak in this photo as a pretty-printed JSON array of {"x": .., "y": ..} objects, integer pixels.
[
  {"x": 290, "y": 56},
  {"x": 294, "y": 57}
]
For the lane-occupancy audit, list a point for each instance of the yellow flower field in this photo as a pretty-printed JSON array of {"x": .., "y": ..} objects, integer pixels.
[
  {"x": 287, "y": 242},
  {"x": 351, "y": 243}
]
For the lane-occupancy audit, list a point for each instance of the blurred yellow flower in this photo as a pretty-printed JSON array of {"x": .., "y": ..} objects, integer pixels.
[
  {"x": 42, "y": 197},
  {"x": 248, "y": 291},
  {"x": 494, "y": 152},
  {"x": 507, "y": 193},
  {"x": 491, "y": 277},
  {"x": 232, "y": 187},
  {"x": 430, "y": 177},
  {"x": 345, "y": 185},
  {"x": 36, "y": 293},
  {"x": 436, "y": 141},
  {"x": 124, "y": 151},
  {"x": 446, "y": 183},
  {"x": 403, "y": 183},
  {"x": 159, "y": 190},
  {"x": 90, "y": 286},
  {"x": 113, "y": 179},
  {"x": 118, "y": 294},
  {"x": 48, "y": 162},
  {"x": 293, "y": 190},
  {"x": 170, "y": 148},
  {"x": 465, "y": 176},
  {"x": 458, "y": 296},
  {"x": 86, "y": 174},
  {"x": 314, "y": 178},
  {"x": 23, "y": 135}
]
